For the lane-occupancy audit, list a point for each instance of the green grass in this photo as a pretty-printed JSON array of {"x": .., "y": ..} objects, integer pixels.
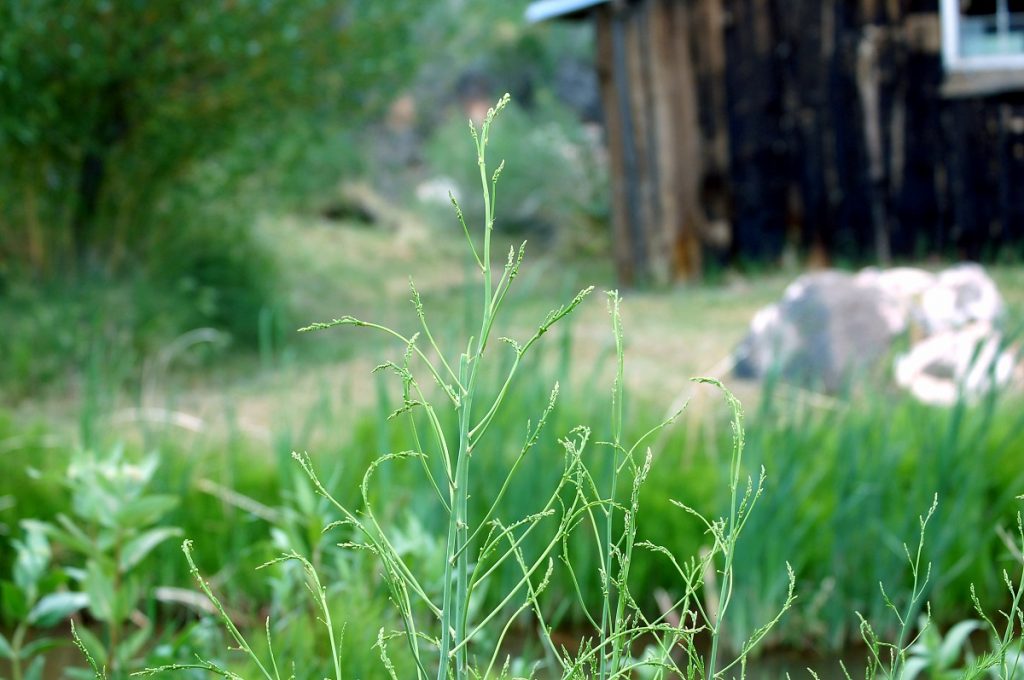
[
  {"x": 844, "y": 487},
  {"x": 846, "y": 480}
]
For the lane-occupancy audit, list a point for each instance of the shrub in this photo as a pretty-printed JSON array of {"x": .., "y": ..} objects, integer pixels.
[
  {"x": 113, "y": 105},
  {"x": 555, "y": 186}
]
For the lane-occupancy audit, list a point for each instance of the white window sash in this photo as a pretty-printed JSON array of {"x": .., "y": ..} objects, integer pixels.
[{"x": 952, "y": 58}]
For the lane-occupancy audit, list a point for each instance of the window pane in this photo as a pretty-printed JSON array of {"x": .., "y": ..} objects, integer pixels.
[{"x": 991, "y": 27}]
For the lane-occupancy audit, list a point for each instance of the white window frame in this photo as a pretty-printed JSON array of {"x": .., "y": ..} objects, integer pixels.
[{"x": 951, "y": 42}]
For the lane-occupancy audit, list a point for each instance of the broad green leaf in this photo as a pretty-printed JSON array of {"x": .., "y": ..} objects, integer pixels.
[
  {"x": 80, "y": 673},
  {"x": 913, "y": 667},
  {"x": 953, "y": 644},
  {"x": 928, "y": 642},
  {"x": 75, "y": 574},
  {"x": 5, "y": 648},
  {"x": 12, "y": 599},
  {"x": 136, "y": 549},
  {"x": 70, "y": 535},
  {"x": 127, "y": 596},
  {"x": 33, "y": 556},
  {"x": 54, "y": 579},
  {"x": 130, "y": 647},
  {"x": 142, "y": 512},
  {"x": 56, "y": 607},
  {"x": 100, "y": 589},
  {"x": 35, "y": 669},
  {"x": 41, "y": 645},
  {"x": 106, "y": 540}
]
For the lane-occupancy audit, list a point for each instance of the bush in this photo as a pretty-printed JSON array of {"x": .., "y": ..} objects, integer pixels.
[
  {"x": 554, "y": 184},
  {"x": 116, "y": 106},
  {"x": 139, "y": 142}
]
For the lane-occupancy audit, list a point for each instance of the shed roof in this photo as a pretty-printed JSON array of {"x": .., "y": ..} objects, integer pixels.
[{"x": 541, "y": 10}]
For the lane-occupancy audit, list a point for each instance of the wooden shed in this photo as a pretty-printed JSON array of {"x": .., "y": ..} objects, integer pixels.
[{"x": 849, "y": 130}]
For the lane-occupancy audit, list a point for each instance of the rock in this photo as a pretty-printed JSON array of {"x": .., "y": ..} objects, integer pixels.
[
  {"x": 830, "y": 327},
  {"x": 971, "y": 360},
  {"x": 962, "y": 295},
  {"x": 362, "y": 202},
  {"x": 438, "y": 191},
  {"x": 901, "y": 287}
]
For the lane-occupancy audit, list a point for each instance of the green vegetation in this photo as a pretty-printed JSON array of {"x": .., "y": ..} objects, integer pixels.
[
  {"x": 464, "y": 633},
  {"x": 130, "y": 112},
  {"x": 564, "y": 561},
  {"x": 144, "y": 147},
  {"x": 163, "y": 167},
  {"x": 553, "y": 189},
  {"x": 139, "y": 143}
]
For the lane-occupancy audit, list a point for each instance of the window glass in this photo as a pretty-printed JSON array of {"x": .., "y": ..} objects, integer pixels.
[{"x": 991, "y": 28}]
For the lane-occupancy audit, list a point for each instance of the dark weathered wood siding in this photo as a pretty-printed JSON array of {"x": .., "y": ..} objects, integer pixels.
[{"x": 740, "y": 127}]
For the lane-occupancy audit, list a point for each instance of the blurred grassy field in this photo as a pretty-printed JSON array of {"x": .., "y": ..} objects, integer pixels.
[{"x": 333, "y": 268}]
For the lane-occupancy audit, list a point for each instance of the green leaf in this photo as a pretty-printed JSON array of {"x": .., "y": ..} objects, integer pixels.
[
  {"x": 13, "y": 601},
  {"x": 56, "y": 607},
  {"x": 5, "y": 648},
  {"x": 80, "y": 674},
  {"x": 70, "y": 535},
  {"x": 33, "y": 555},
  {"x": 41, "y": 645},
  {"x": 129, "y": 649},
  {"x": 35, "y": 669},
  {"x": 952, "y": 645},
  {"x": 145, "y": 511},
  {"x": 100, "y": 590},
  {"x": 75, "y": 574},
  {"x": 136, "y": 549},
  {"x": 913, "y": 667},
  {"x": 127, "y": 596}
]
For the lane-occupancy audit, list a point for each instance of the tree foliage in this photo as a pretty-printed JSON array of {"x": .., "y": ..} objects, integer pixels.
[{"x": 115, "y": 113}]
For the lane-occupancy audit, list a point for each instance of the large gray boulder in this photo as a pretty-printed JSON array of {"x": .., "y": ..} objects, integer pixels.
[
  {"x": 827, "y": 327},
  {"x": 831, "y": 327}
]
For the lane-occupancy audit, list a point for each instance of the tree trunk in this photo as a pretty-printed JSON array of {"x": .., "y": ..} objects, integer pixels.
[{"x": 111, "y": 128}]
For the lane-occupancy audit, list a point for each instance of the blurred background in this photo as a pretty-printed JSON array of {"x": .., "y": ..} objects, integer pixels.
[{"x": 183, "y": 184}]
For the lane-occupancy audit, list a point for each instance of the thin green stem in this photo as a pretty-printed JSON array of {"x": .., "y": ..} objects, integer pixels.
[
  {"x": 239, "y": 639},
  {"x": 531, "y": 441},
  {"x": 352, "y": 321},
  {"x": 617, "y": 410},
  {"x": 468, "y": 374},
  {"x": 421, "y": 313},
  {"x": 17, "y": 640},
  {"x": 729, "y": 538}
]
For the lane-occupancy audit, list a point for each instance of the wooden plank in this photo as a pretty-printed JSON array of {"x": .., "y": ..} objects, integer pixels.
[
  {"x": 757, "y": 161},
  {"x": 688, "y": 153},
  {"x": 707, "y": 34},
  {"x": 809, "y": 123},
  {"x": 823, "y": 240},
  {"x": 612, "y": 98},
  {"x": 637, "y": 77},
  {"x": 707, "y": 30},
  {"x": 869, "y": 87},
  {"x": 664, "y": 131}
]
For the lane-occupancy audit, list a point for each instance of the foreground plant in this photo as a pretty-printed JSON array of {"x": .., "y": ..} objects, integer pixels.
[
  {"x": 24, "y": 605},
  {"x": 450, "y": 634},
  {"x": 101, "y": 547},
  {"x": 928, "y": 652}
]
